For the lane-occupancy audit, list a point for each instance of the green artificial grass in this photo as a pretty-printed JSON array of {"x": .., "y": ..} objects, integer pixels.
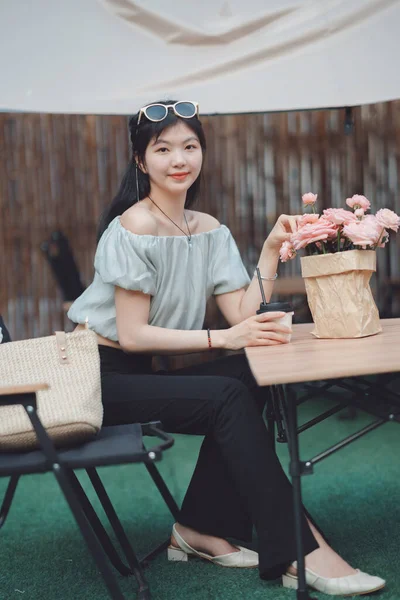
[{"x": 353, "y": 495}]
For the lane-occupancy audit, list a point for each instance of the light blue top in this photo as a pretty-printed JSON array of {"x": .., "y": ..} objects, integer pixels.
[{"x": 179, "y": 276}]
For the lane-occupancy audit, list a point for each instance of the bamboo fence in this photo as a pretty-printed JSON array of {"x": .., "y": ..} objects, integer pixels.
[{"x": 58, "y": 172}]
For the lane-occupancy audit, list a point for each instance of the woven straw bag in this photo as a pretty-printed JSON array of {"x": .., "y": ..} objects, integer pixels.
[{"x": 71, "y": 410}]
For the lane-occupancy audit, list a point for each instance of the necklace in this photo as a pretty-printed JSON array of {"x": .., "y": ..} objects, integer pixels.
[{"x": 189, "y": 237}]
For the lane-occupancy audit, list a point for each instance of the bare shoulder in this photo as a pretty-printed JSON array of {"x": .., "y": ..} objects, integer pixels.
[
  {"x": 138, "y": 219},
  {"x": 204, "y": 222}
]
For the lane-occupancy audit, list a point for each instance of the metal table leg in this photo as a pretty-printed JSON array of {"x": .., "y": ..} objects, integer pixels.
[
  {"x": 286, "y": 411},
  {"x": 296, "y": 471}
]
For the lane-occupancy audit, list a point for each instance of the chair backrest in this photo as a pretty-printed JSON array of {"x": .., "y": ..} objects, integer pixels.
[
  {"x": 4, "y": 335},
  {"x": 59, "y": 255}
]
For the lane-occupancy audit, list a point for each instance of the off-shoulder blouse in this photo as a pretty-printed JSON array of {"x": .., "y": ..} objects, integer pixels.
[{"x": 179, "y": 276}]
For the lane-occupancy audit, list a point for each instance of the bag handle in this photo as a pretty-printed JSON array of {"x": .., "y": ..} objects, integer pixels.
[{"x": 61, "y": 341}]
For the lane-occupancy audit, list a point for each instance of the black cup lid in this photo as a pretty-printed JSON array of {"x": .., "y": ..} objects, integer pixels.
[{"x": 275, "y": 307}]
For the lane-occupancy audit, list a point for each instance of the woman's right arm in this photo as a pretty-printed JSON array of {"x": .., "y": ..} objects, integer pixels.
[{"x": 136, "y": 335}]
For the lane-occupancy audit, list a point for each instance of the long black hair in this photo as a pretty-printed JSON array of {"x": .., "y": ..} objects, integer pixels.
[{"x": 140, "y": 138}]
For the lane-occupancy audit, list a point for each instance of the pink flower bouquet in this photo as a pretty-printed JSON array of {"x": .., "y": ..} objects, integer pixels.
[
  {"x": 340, "y": 258},
  {"x": 337, "y": 229}
]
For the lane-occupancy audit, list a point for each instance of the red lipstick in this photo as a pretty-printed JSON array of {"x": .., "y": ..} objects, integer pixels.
[{"x": 179, "y": 176}]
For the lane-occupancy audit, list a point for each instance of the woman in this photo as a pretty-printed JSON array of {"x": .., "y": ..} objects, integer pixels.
[{"x": 157, "y": 262}]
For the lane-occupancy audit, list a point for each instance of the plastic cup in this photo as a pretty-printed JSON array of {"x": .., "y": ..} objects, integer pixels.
[{"x": 285, "y": 307}]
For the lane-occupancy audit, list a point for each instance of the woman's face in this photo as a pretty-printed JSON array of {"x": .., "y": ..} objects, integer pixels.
[{"x": 173, "y": 162}]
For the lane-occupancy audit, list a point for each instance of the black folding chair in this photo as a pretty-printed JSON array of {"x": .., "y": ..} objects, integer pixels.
[{"x": 115, "y": 445}]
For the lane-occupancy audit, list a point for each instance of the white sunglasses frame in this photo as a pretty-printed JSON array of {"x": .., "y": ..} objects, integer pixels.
[{"x": 167, "y": 106}]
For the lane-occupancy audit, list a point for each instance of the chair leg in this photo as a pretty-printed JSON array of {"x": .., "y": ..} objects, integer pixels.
[
  {"x": 98, "y": 527},
  {"x": 8, "y": 498},
  {"x": 88, "y": 534},
  {"x": 118, "y": 529},
  {"x": 169, "y": 501},
  {"x": 163, "y": 489},
  {"x": 64, "y": 479}
]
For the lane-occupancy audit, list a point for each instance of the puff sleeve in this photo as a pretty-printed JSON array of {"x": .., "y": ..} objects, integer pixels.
[
  {"x": 228, "y": 271},
  {"x": 125, "y": 259}
]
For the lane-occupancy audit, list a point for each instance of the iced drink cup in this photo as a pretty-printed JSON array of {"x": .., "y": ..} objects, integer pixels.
[{"x": 285, "y": 307}]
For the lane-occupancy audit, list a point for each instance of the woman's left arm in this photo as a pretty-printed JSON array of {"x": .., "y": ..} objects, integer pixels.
[{"x": 241, "y": 304}]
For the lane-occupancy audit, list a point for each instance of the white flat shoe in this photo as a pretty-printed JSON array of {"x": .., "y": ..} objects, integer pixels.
[
  {"x": 245, "y": 558},
  {"x": 352, "y": 585}
]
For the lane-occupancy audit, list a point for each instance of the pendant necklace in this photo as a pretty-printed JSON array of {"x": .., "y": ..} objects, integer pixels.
[{"x": 189, "y": 237}]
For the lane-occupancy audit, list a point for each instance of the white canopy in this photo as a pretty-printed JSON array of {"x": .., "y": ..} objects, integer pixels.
[{"x": 113, "y": 56}]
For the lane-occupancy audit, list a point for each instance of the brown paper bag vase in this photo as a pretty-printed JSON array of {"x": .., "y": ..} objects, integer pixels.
[{"x": 339, "y": 294}]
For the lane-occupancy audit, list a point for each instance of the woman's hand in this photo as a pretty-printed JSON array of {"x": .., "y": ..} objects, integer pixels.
[
  {"x": 258, "y": 330},
  {"x": 282, "y": 230}
]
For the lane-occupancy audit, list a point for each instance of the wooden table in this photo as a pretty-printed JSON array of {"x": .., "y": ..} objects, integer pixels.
[
  {"x": 308, "y": 358},
  {"x": 305, "y": 359}
]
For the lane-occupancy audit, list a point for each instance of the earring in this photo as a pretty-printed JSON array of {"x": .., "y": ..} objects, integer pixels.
[{"x": 137, "y": 182}]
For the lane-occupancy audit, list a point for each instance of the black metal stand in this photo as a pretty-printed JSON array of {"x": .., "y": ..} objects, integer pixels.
[
  {"x": 8, "y": 498},
  {"x": 282, "y": 410},
  {"x": 296, "y": 471}
]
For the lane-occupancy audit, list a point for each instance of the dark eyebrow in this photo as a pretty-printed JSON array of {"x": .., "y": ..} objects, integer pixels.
[{"x": 161, "y": 141}]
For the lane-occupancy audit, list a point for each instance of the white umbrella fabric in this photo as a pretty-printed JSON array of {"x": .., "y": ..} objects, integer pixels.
[{"x": 112, "y": 56}]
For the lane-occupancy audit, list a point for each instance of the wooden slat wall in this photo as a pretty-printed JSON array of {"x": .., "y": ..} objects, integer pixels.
[{"x": 60, "y": 171}]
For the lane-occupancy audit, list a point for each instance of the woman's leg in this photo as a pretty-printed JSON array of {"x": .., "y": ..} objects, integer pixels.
[
  {"x": 223, "y": 512},
  {"x": 223, "y": 409},
  {"x": 235, "y": 366},
  {"x": 228, "y": 512},
  {"x": 225, "y": 507}
]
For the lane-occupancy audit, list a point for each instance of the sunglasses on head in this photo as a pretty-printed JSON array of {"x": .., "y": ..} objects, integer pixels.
[{"x": 158, "y": 112}]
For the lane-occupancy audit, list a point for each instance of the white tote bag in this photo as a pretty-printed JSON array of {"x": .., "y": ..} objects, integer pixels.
[{"x": 71, "y": 409}]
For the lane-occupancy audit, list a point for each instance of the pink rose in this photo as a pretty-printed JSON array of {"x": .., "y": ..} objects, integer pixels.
[
  {"x": 308, "y": 218},
  {"x": 373, "y": 223},
  {"x": 359, "y": 213},
  {"x": 364, "y": 233},
  {"x": 358, "y": 201},
  {"x": 339, "y": 216},
  {"x": 287, "y": 252},
  {"x": 309, "y": 199},
  {"x": 333, "y": 229},
  {"x": 387, "y": 218},
  {"x": 313, "y": 232}
]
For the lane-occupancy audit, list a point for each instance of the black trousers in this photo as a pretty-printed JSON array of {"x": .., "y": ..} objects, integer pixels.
[{"x": 238, "y": 481}]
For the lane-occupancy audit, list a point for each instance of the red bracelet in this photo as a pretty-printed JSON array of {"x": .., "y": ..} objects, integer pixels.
[{"x": 209, "y": 338}]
